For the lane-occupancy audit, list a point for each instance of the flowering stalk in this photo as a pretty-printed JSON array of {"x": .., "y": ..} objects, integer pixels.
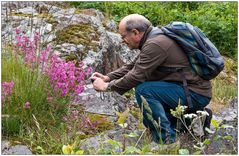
[
  {"x": 65, "y": 77},
  {"x": 6, "y": 90}
]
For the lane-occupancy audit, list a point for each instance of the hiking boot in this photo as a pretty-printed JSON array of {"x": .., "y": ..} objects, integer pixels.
[{"x": 208, "y": 119}]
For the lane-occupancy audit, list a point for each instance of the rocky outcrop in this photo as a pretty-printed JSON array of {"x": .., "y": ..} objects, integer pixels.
[{"x": 95, "y": 45}]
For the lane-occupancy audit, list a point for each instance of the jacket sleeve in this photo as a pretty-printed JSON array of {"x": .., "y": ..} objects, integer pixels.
[
  {"x": 117, "y": 74},
  {"x": 150, "y": 57}
]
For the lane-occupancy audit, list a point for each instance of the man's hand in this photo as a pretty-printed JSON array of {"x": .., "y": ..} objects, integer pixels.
[
  {"x": 99, "y": 75},
  {"x": 99, "y": 84}
]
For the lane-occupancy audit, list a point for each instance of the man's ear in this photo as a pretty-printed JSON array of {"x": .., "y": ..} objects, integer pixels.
[{"x": 135, "y": 31}]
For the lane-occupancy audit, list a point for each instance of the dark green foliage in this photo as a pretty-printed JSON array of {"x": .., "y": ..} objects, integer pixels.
[
  {"x": 218, "y": 20},
  {"x": 11, "y": 125}
]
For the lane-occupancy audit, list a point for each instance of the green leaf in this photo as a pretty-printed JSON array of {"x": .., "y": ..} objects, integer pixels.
[
  {"x": 133, "y": 135},
  {"x": 79, "y": 152},
  {"x": 183, "y": 152},
  {"x": 114, "y": 143},
  {"x": 228, "y": 137},
  {"x": 226, "y": 126},
  {"x": 215, "y": 123},
  {"x": 122, "y": 116},
  {"x": 207, "y": 142}
]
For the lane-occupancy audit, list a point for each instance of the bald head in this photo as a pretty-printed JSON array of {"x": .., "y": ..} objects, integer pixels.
[{"x": 135, "y": 21}]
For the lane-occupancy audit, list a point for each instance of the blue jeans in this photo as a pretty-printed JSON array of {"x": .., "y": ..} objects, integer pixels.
[{"x": 161, "y": 97}]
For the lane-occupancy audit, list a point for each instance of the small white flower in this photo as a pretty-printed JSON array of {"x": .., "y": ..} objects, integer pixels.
[
  {"x": 184, "y": 107},
  {"x": 191, "y": 115},
  {"x": 202, "y": 112}
]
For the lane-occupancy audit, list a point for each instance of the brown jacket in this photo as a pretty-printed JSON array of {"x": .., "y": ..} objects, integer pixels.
[{"x": 156, "y": 51}]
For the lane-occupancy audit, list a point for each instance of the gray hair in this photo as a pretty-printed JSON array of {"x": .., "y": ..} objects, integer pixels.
[{"x": 140, "y": 23}]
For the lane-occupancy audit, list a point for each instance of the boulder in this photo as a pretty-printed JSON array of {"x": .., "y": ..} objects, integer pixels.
[{"x": 8, "y": 149}]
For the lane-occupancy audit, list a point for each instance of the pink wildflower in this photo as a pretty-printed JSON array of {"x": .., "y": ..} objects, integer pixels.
[
  {"x": 43, "y": 57},
  {"x": 18, "y": 31},
  {"x": 36, "y": 37},
  {"x": 89, "y": 70},
  {"x": 7, "y": 88},
  {"x": 27, "y": 105},
  {"x": 79, "y": 89}
]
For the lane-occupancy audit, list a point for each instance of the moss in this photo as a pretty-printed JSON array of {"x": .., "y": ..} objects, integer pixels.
[
  {"x": 79, "y": 34},
  {"x": 71, "y": 57},
  {"x": 90, "y": 12},
  {"x": 21, "y": 14},
  {"x": 103, "y": 123},
  {"x": 48, "y": 17},
  {"x": 129, "y": 93},
  {"x": 78, "y": 11}
]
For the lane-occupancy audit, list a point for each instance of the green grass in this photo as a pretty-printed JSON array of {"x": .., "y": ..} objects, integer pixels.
[
  {"x": 223, "y": 92},
  {"x": 225, "y": 85}
]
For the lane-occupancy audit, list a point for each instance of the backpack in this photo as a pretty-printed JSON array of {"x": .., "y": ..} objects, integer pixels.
[{"x": 203, "y": 56}]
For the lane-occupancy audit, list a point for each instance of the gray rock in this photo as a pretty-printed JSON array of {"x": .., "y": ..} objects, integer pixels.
[
  {"x": 102, "y": 103},
  {"x": 90, "y": 59},
  {"x": 111, "y": 25},
  {"x": 5, "y": 144},
  {"x": 18, "y": 149},
  {"x": 27, "y": 10}
]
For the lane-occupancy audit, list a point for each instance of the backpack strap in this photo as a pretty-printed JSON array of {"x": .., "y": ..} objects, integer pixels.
[{"x": 185, "y": 84}]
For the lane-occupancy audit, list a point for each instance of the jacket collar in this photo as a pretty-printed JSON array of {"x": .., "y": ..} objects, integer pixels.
[
  {"x": 145, "y": 37},
  {"x": 151, "y": 32}
]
